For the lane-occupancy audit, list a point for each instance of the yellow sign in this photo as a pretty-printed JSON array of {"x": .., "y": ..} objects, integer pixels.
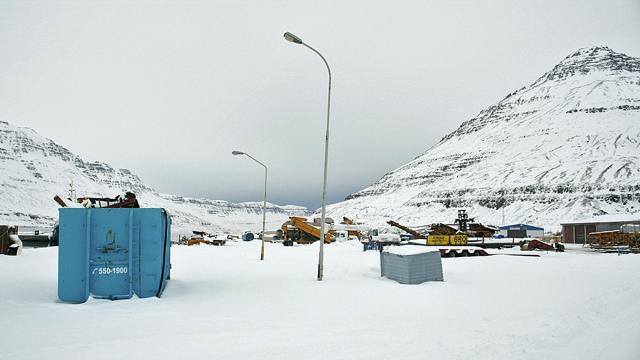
[{"x": 439, "y": 240}]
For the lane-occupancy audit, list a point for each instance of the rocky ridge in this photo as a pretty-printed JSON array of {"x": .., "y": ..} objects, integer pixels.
[
  {"x": 34, "y": 168},
  {"x": 565, "y": 147}
]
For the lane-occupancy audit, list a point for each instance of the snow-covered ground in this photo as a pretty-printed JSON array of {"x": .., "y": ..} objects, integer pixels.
[{"x": 223, "y": 303}]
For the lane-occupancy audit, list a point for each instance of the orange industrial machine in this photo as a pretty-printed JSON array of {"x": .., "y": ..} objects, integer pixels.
[{"x": 298, "y": 230}]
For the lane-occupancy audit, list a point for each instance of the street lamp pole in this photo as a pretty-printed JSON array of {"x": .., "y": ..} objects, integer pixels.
[
  {"x": 264, "y": 201},
  {"x": 294, "y": 39}
]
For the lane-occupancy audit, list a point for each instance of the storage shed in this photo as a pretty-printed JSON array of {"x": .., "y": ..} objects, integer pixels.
[
  {"x": 577, "y": 231},
  {"x": 521, "y": 231}
]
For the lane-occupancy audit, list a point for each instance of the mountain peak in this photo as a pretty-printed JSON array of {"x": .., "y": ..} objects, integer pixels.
[
  {"x": 550, "y": 94},
  {"x": 591, "y": 51},
  {"x": 592, "y": 59},
  {"x": 564, "y": 147}
]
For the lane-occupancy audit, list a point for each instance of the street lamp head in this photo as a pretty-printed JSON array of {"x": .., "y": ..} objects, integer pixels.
[
  {"x": 236, "y": 152},
  {"x": 294, "y": 39}
]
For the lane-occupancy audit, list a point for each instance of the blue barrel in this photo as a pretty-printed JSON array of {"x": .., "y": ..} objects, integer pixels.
[
  {"x": 371, "y": 245},
  {"x": 248, "y": 236},
  {"x": 113, "y": 253}
]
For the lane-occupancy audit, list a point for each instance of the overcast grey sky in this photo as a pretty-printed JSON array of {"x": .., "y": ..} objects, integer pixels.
[{"x": 169, "y": 89}]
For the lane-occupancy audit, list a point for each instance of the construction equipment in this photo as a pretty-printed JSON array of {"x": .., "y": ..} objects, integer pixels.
[
  {"x": 415, "y": 234},
  {"x": 442, "y": 229},
  {"x": 463, "y": 220},
  {"x": 535, "y": 244},
  {"x": 353, "y": 229},
  {"x": 446, "y": 235},
  {"x": 471, "y": 228},
  {"x": 451, "y": 243},
  {"x": 298, "y": 230},
  {"x": 202, "y": 237},
  {"x": 367, "y": 234},
  {"x": 128, "y": 200}
]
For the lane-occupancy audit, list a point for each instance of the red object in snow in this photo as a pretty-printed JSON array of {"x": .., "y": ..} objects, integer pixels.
[{"x": 539, "y": 245}]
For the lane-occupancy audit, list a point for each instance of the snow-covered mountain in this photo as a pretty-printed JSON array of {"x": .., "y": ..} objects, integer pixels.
[
  {"x": 565, "y": 147},
  {"x": 33, "y": 169}
]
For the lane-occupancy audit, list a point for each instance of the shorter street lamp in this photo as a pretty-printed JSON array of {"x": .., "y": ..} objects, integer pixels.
[{"x": 264, "y": 201}]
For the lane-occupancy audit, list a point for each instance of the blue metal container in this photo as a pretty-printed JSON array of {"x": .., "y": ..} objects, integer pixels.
[{"x": 113, "y": 253}]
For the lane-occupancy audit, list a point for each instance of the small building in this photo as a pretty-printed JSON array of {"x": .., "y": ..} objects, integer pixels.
[
  {"x": 521, "y": 231},
  {"x": 411, "y": 264},
  {"x": 577, "y": 231}
]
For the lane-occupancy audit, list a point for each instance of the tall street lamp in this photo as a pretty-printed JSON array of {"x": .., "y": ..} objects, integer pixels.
[
  {"x": 296, "y": 40},
  {"x": 264, "y": 201}
]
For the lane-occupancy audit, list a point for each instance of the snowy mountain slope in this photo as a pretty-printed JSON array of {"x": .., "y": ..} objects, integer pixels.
[
  {"x": 34, "y": 168},
  {"x": 565, "y": 147}
]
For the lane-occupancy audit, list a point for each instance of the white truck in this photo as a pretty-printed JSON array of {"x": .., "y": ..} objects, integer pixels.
[
  {"x": 365, "y": 233},
  {"x": 385, "y": 236}
]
